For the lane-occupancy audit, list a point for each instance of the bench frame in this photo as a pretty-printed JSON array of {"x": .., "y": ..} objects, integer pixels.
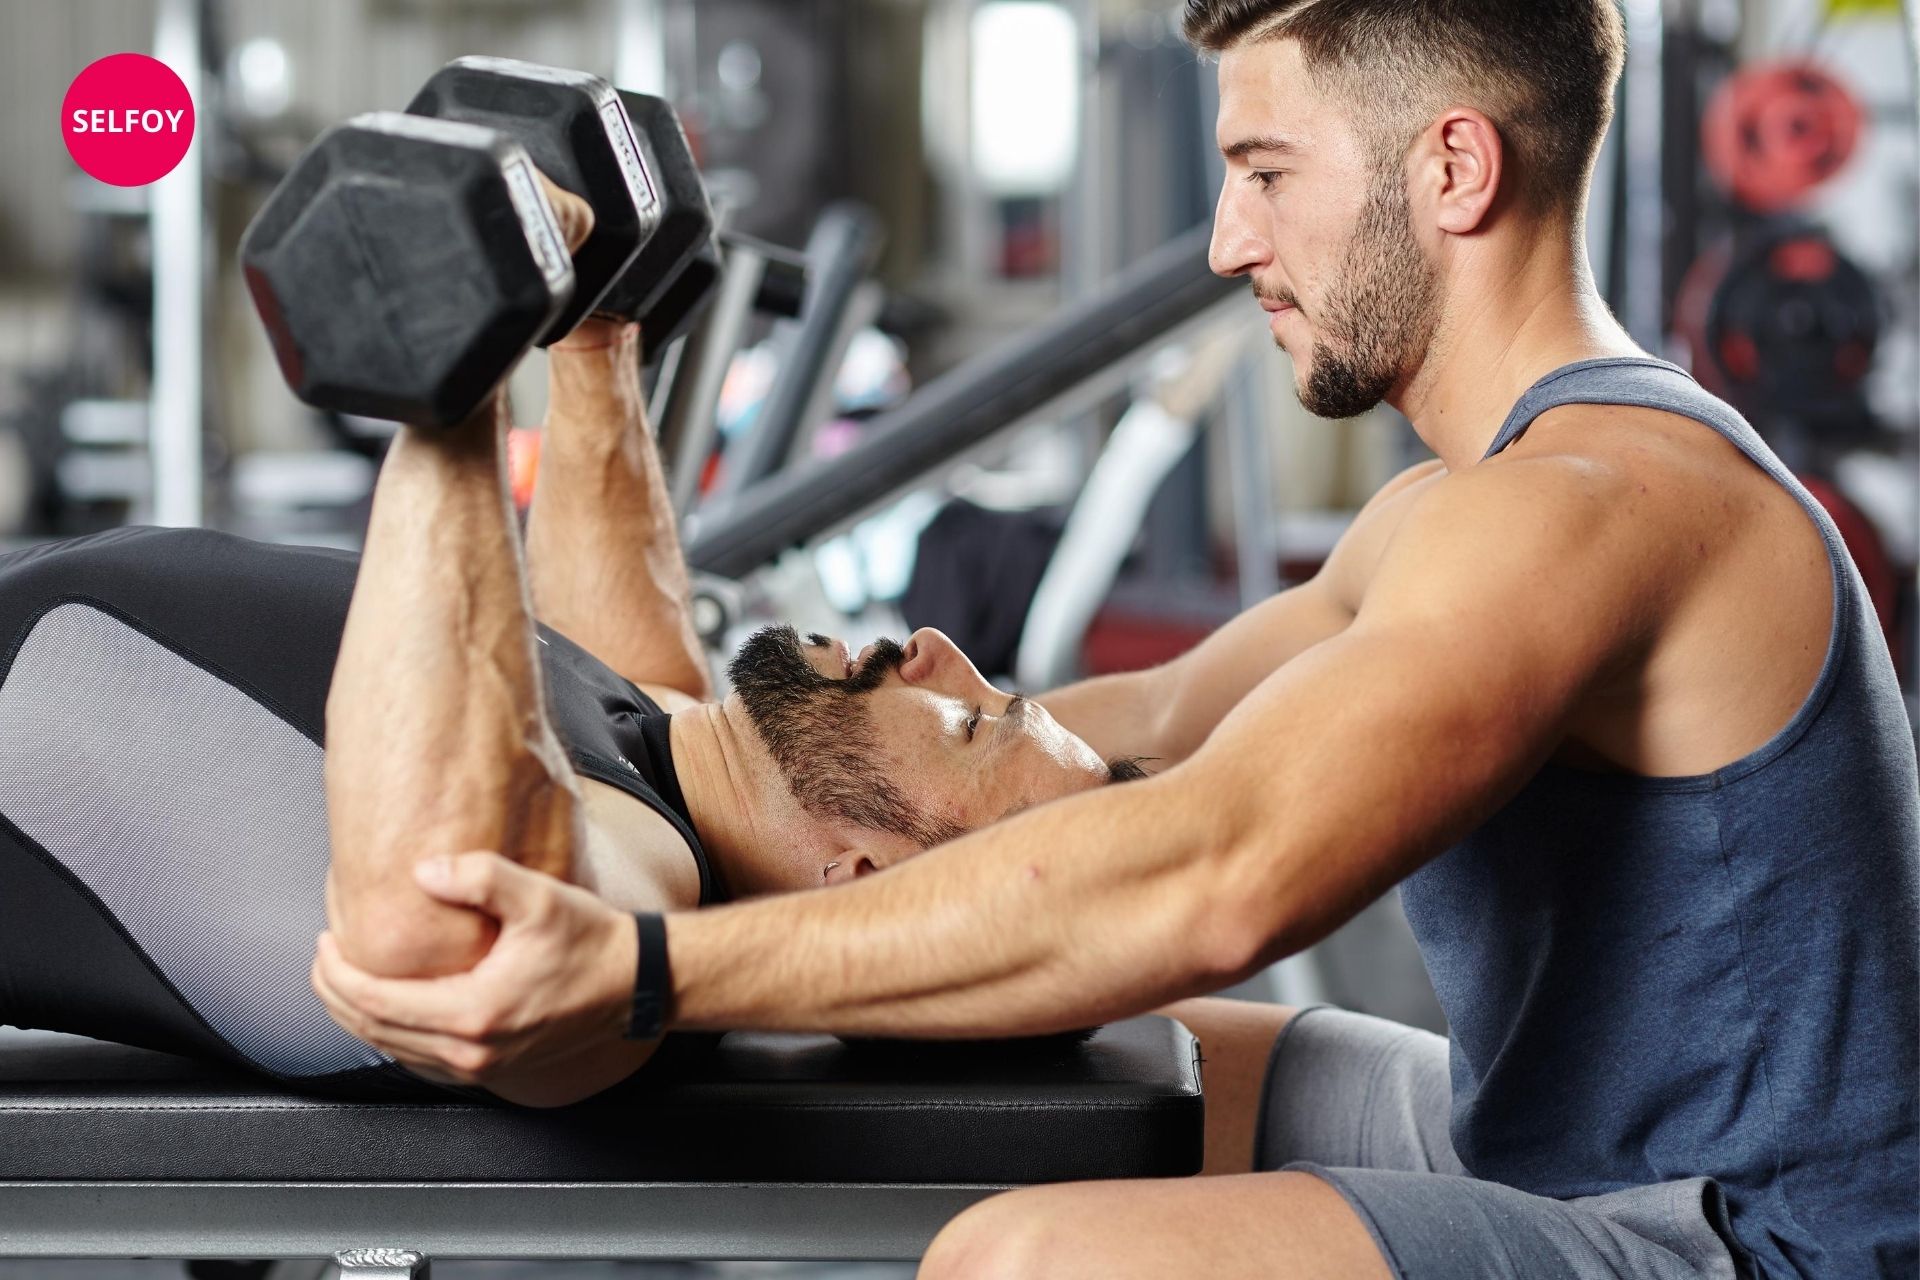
[{"x": 376, "y": 1230}]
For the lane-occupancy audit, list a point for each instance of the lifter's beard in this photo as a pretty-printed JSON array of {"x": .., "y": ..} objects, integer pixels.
[
  {"x": 1381, "y": 315},
  {"x": 820, "y": 733}
]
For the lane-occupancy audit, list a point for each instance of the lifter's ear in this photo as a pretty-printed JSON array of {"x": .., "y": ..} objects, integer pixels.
[
  {"x": 848, "y": 867},
  {"x": 574, "y": 214}
]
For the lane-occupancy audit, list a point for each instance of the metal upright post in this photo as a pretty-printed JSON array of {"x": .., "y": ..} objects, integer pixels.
[
  {"x": 689, "y": 419},
  {"x": 1250, "y": 450},
  {"x": 841, "y": 253},
  {"x": 1084, "y": 260},
  {"x": 178, "y": 234},
  {"x": 1645, "y": 240}
]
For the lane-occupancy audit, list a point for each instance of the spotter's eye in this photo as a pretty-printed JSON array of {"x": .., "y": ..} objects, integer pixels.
[{"x": 973, "y": 723}]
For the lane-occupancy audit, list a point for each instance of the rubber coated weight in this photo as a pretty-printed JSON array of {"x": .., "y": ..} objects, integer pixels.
[
  {"x": 784, "y": 278},
  {"x": 783, "y": 288},
  {"x": 1793, "y": 327},
  {"x": 1775, "y": 131},
  {"x": 686, "y": 218},
  {"x": 576, "y": 129},
  {"x": 685, "y": 299},
  {"x": 403, "y": 265}
]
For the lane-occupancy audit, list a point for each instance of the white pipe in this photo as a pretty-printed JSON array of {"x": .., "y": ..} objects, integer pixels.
[
  {"x": 1645, "y": 206},
  {"x": 178, "y": 249},
  {"x": 640, "y": 48},
  {"x": 1144, "y": 447}
]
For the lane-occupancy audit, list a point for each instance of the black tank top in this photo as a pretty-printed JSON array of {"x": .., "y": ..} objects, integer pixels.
[
  {"x": 162, "y": 717},
  {"x": 268, "y": 619},
  {"x": 616, "y": 734}
]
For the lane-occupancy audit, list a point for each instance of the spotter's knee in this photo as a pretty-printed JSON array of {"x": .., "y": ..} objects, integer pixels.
[{"x": 1004, "y": 1238}]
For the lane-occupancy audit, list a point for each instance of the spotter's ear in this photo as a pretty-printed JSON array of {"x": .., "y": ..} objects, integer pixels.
[{"x": 1456, "y": 169}]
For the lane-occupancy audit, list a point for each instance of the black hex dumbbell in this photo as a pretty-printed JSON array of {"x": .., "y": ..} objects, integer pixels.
[
  {"x": 686, "y": 218},
  {"x": 404, "y": 265},
  {"x": 686, "y": 297},
  {"x": 577, "y": 130},
  {"x": 375, "y": 281}
]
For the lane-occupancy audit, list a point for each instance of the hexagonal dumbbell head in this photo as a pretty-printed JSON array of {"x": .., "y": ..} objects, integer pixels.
[
  {"x": 404, "y": 265},
  {"x": 673, "y": 312},
  {"x": 574, "y": 127},
  {"x": 686, "y": 217}
]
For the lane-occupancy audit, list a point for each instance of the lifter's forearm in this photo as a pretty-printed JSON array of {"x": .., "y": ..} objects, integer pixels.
[
  {"x": 603, "y": 554},
  {"x": 437, "y": 737}
]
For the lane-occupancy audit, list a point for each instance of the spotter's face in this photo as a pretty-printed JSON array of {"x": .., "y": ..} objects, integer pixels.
[{"x": 1322, "y": 230}]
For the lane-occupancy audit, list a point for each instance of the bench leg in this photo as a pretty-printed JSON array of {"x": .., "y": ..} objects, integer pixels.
[{"x": 382, "y": 1264}]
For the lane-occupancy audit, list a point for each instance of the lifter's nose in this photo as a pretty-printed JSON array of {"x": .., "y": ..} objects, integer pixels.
[{"x": 934, "y": 662}]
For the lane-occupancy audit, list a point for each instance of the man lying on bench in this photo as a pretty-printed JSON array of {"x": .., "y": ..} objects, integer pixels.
[{"x": 164, "y": 844}]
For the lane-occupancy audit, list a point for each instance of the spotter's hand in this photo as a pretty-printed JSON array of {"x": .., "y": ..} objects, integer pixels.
[{"x": 558, "y": 979}]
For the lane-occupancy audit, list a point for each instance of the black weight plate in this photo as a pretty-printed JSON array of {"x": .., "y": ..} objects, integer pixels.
[
  {"x": 403, "y": 266},
  {"x": 576, "y": 130}
]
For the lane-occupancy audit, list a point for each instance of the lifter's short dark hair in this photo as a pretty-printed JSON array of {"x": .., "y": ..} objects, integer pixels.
[{"x": 1543, "y": 71}]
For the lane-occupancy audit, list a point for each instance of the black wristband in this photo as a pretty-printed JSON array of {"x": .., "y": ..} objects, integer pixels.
[{"x": 653, "y": 981}]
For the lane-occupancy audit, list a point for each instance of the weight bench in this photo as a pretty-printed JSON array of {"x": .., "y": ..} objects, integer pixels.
[{"x": 778, "y": 1147}]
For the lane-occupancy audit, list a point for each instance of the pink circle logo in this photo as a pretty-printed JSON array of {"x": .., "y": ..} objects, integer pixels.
[{"x": 127, "y": 119}]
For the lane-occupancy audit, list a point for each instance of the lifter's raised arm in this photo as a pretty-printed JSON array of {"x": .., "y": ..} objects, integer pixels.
[
  {"x": 603, "y": 554},
  {"x": 438, "y": 739}
]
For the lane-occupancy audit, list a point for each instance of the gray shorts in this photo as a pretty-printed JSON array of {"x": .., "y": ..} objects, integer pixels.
[{"x": 1363, "y": 1104}]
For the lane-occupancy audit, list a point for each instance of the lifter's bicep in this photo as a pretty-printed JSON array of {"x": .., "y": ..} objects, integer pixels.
[{"x": 630, "y": 857}]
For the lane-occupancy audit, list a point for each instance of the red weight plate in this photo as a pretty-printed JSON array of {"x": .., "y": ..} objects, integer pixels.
[
  {"x": 1775, "y": 131},
  {"x": 1740, "y": 357},
  {"x": 1806, "y": 261}
]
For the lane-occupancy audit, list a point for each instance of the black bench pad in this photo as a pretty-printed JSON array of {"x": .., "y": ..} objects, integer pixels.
[{"x": 763, "y": 1108}]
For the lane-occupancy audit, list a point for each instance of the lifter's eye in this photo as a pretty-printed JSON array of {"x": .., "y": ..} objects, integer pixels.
[
  {"x": 1264, "y": 178},
  {"x": 973, "y": 723}
]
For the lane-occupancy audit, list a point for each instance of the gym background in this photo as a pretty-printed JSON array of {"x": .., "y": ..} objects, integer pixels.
[{"x": 927, "y": 192}]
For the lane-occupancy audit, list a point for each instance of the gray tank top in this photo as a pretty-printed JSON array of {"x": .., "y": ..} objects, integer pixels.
[{"x": 1656, "y": 978}]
